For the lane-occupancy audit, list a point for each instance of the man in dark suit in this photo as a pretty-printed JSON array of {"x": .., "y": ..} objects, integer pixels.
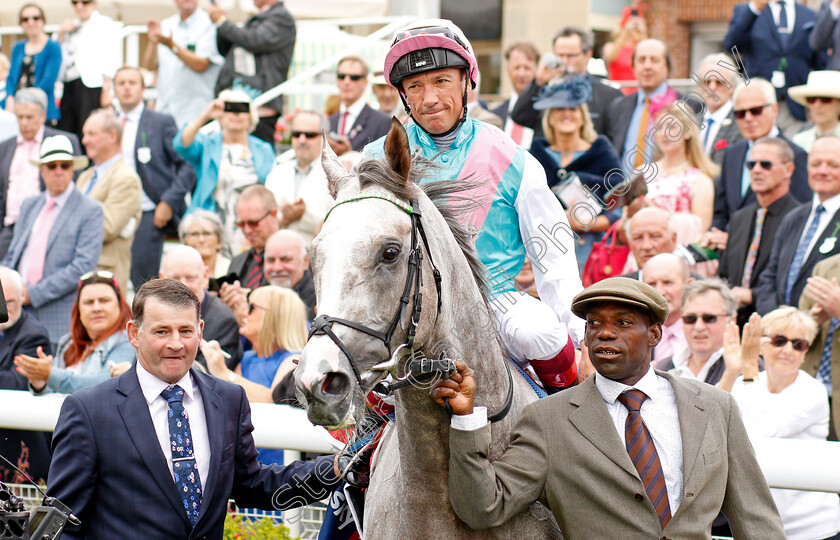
[
  {"x": 521, "y": 66},
  {"x": 256, "y": 214},
  {"x": 184, "y": 264},
  {"x": 21, "y": 334},
  {"x": 721, "y": 129},
  {"x": 572, "y": 46},
  {"x": 20, "y": 179},
  {"x": 772, "y": 38},
  {"x": 147, "y": 148},
  {"x": 58, "y": 238},
  {"x": 629, "y": 119},
  {"x": 756, "y": 107},
  {"x": 257, "y": 56},
  {"x": 747, "y": 252},
  {"x": 811, "y": 232},
  {"x": 608, "y": 461},
  {"x": 112, "y": 441},
  {"x": 826, "y": 32},
  {"x": 356, "y": 123}
]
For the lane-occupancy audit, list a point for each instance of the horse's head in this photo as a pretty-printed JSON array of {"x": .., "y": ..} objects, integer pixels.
[{"x": 361, "y": 264}]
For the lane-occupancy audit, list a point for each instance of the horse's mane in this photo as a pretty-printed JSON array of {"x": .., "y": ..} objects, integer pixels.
[{"x": 447, "y": 196}]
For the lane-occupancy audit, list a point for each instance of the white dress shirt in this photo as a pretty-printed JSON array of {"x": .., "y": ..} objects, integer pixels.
[
  {"x": 776, "y": 10},
  {"x": 659, "y": 413},
  {"x": 681, "y": 368},
  {"x": 353, "y": 112},
  {"x": 718, "y": 118},
  {"x": 194, "y": 407}
]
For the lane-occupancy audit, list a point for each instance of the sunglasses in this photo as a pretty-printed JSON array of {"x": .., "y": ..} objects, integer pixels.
[
  {"x": 53, "y": 164},
  {"x": 85, "y": 2},
  {"x": 740, "y": 114},
  {"x": 824, "y": 100},
  {"x": 248, "y": 223},
  {"x": 799, "y": 344},
  {"x": 353, "y": 77},
  {"x": 766, "y": 165},
  {"x": 104, "y": 274},
  {"x": 307, "y": 134},
  {"x": 707, "y": 318},
  {"x": 34, "y": 18},
  {"x": 252, "y": 307}
]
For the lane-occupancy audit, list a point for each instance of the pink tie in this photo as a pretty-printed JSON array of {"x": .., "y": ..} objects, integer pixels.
[
  {"x": 38, "y": 244},
  {"x": 343, "y": 127}
]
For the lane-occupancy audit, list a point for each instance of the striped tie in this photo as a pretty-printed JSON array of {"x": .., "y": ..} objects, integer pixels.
[
  {"x": 643, "y": 454},
  {"x": 752, "y": 252}
]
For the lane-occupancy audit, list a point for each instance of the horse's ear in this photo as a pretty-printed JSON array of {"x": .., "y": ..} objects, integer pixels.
[
  {"x": 336, "y": 172},
  {"x": 397, "y": 152}
]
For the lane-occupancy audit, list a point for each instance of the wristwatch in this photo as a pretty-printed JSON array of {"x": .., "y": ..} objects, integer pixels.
[
  {"x": 175, "y": 49},
  {"x": 232, "y": 377}
]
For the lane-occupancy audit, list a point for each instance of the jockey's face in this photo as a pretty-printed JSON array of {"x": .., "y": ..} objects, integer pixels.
[{"x": 436, "y": 98}]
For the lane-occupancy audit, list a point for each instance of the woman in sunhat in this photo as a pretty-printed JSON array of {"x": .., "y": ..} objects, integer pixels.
[{"x": 821, "y": 96}]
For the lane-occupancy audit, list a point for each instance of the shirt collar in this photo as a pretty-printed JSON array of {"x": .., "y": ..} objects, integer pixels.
[
  {"x": 152, "y": 386},
  {"x": 38, "y": 138},
  {"x": 674, "y": 330},
  {"x": 681, "y": 358},
  {"x": 720, "y": 115},
  {"x": 610, "y": 389},
  {"x": 661, "y": 89},
  {"x": 103, "y": 167},
  {"x": 134, "y": 114},
  {"x": 831, "y": 205},
  {"x": 62, "y": 197},
  {"x": 355, "y": 109}
]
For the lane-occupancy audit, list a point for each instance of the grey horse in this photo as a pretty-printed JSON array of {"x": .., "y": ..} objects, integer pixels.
[{"x": 360, "y": 264}]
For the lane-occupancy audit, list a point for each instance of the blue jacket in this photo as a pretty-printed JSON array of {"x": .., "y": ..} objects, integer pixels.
[
  {"x": 47, "y": 66},
  {"x": 205, "y": 154}
]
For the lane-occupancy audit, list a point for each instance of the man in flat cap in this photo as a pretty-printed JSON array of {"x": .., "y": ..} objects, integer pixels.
[{"x": 630, "y": 453}]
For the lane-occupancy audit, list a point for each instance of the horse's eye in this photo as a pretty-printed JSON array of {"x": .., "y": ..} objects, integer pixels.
[{"x": 390, "y": 254}]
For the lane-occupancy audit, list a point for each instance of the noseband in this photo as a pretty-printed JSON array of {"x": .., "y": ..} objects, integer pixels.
[{"x": 322, "y": 325}]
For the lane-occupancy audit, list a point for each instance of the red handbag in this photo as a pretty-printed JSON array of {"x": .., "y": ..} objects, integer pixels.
[{"x": 607, "y": 258}]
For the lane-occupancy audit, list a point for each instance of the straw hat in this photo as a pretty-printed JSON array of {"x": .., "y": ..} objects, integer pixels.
[
  {"x": 59, "y": 148},
  {"x": 824, "y": 83}
]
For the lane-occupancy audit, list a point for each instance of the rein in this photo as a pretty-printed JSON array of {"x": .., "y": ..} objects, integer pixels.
[{"x": 322, "y": 325}]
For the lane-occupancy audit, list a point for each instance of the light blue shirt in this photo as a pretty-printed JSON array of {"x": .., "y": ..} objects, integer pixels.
[{"x": 632, "y": 137}]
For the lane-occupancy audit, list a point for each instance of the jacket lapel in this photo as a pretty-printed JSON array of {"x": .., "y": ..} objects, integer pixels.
[
  {"x": 770, "y": 25},
  {"x": 593, "y": 421},
  {"x": 26, "y": 222},
  {"x": 215, "y": 431},
  {"x": 786, "y": 256},
  {"x": 736, "y": 199},
  {"x": 138, "y": 422}
]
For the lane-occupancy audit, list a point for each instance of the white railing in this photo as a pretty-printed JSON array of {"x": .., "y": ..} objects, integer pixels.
[{"x": 282, "y": 426}]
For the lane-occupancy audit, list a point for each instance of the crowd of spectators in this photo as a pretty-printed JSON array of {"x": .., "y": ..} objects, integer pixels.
[{"x": 92, "y": 184}]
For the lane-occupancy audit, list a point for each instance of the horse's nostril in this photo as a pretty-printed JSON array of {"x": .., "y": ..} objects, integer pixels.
[{"x": 335, "y": 383}]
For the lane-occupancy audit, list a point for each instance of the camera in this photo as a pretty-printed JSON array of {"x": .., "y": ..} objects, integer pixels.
[
  {"x": 552, "y": 61},
  {"x": 634, "y": 12}
]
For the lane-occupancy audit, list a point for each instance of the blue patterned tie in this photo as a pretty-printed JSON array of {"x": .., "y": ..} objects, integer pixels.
[
  {"x": 801, "y": 251},
  {"x": 184, "y": 466},
  {"x": 824, "y": 369}
]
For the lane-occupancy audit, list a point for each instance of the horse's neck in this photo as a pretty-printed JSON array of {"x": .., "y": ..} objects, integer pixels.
[{"x": 422, "y": 425}]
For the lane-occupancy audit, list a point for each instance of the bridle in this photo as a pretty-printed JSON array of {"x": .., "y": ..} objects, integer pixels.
[{"x": 322, "y": 325}]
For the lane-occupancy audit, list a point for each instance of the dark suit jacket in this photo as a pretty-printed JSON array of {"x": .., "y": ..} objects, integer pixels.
[
  {"x": 772, "y": 281},
  {"x": 728, "y": 132},
  {"x": 603, "y": 95},
  {"x": 761, "y": 48},
  {"x": 369, "y": 126},
  {"x": 220, "y": 325},
  {"x": 731, "y": 267},
  {"x": 108, "y": 466},
  {"x": 270, "y": 37},
  {"x": 165, "y": 173},
  {"x": 826, "y": 35},
  {"x": 23, "y": 338},
  {"x": 728, "y": 197},
  {"x": 565, "y": 452},
  {"x": 7, "y": 152}
]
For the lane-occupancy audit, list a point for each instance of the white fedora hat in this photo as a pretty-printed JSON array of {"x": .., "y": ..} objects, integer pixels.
[
  {"x": 825, "y": 83},
  {"x": 59, "y": 148}
]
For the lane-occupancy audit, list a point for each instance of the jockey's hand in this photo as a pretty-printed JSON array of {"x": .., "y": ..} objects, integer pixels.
[{"x": 459, "y": 389}]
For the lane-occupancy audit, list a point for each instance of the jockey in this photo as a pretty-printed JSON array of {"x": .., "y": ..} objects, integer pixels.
[{"x": 432, "y": 65}]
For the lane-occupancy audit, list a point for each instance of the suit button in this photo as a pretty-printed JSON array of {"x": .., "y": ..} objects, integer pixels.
[
  {"x": 640, "y": 497},
  {"x": 444, "y": 158}
]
